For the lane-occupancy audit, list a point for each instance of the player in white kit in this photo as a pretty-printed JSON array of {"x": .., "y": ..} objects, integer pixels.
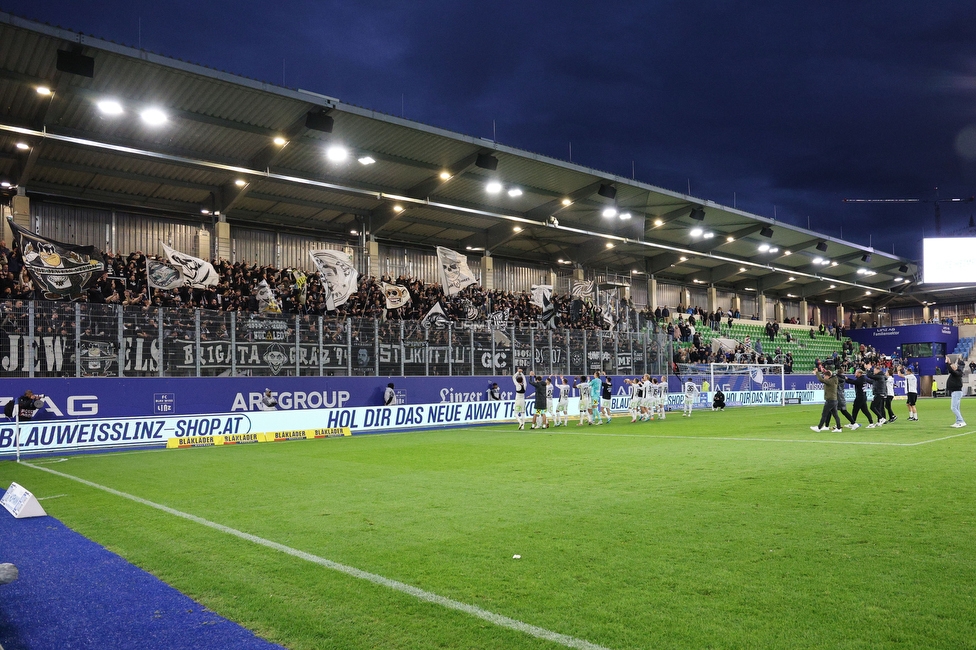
[
  {"x": 633, "y": 404},
  {"x": 690, "y": 391},
  {"x": 662, "y": 392},
  {"x": 519, "y": 380},
  {"x": 562, "y": 407},
  {"x": 586, "y": 400}
]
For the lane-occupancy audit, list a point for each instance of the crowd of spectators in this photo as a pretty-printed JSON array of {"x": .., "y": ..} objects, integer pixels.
[{"x": 124, "y": 282}]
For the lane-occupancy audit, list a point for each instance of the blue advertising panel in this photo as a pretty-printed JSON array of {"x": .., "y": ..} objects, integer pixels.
[{"x": 925, "y": 344}]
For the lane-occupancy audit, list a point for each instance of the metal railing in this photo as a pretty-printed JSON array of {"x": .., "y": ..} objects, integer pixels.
[{"x": 98, "y": 340}]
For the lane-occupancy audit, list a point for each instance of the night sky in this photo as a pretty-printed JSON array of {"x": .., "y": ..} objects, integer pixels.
[{"x": 784, "y": 109}]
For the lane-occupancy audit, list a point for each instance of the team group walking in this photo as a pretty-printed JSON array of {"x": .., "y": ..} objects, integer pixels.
[{"x": 648, "y": 397}]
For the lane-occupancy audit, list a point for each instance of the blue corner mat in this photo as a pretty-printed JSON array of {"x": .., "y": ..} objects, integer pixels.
[{"x": 74, "y": 594}]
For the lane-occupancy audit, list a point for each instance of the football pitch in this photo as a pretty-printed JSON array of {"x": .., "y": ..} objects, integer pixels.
[{"x": 742, "y": 529}]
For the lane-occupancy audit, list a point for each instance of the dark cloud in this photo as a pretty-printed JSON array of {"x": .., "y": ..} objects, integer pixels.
[{"x": 775, "y": 104}]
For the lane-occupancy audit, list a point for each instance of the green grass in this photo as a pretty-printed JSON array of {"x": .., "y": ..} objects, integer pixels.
[{"x": 656, "y": 535}]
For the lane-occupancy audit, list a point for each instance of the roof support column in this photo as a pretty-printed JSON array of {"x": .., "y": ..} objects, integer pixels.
[
  {"x": 373, "y": 257},
  {"x": 778, "y": 312},
  {"x": 652, "y": 293},
  {"x": 487, "y": 272},
  {"x": 840, "y": 316},
  {"x": 712, "y": 299},
  {"x": 816, "y": 315},
  {"x": 736, "y": 305},
  {"x": 804, "y": 312},
  {"x": 204, "y": 251},
  {"x": 222, "y": 239},
  {"x": 762, "y": 307}
]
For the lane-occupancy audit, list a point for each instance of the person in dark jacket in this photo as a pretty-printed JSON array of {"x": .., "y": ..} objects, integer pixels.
[
  {"x": 860, "y": 398},
  {"x": 878, "y": 380},
  {"x": 954, "y": 388},
  {"x": 718, "y": 401},
  {"x": 842, "y": 398},
  {"x": 830, "y": 401},
  {"x": 541, "y": 399}
]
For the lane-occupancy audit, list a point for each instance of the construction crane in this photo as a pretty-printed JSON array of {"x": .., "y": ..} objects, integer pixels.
[{"x": 935, "y": 203}]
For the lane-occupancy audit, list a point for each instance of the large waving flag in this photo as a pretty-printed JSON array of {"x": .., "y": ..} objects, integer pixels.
[
  {"x": 59, "y": 270},
  {"x": 396, "y": 295},
  {"x": 436, "y": 318},
  {"x": 454, "y": 271},
  {"x": 338, "y": 272},
  {"x": 542, "y": 297},
  {"x": 267, "y": 303},
  {"x": 583, "y": 290},
  {"x": 161, "y": 275},
  {"x": 197, "y": 273}
]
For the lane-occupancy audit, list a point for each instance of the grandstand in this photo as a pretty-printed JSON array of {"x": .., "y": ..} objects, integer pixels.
[{"x": 125, "y": 156}]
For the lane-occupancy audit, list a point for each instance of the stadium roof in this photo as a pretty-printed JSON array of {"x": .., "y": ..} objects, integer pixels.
[{"x": 400, "y": 181}]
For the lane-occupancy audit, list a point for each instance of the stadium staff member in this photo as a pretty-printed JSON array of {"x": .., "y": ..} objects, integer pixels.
[
  {"x": 389, "y": 395},
  {"x": 860, "y": 398},
  {"x": 842, "y": 396},
  {"x": 541, "y": 399},
  {"x": 830, "y": 401},
  {"x": 954, "y": 388},
  {"x": 878, "y": 381}
]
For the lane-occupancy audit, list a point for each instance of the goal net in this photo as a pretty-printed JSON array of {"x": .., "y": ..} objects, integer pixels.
[
  {"x": 742, "y": 384},
  {"x": 751, "y": 384}
]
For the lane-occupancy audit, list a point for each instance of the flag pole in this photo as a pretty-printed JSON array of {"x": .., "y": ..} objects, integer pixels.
[{"x": 148, "y": 283}]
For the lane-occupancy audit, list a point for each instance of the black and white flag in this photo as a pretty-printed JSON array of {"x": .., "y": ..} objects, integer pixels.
[
  {"x": 542, "y": 297},
  {"x": 396, "y": 295},
  {"x": 498, "y": 320},
  {"x": 436, "y": 318},
  {"x": 197, "y": 273},
  {"x": 59, "y": 270},
  {"x": 470, "y": 311},
  {"x": 610, "y": 310},
  {"x": 583, "y": 290},
  {"x": 454, "y": 271},
  {"x": 338, "y": 272}
]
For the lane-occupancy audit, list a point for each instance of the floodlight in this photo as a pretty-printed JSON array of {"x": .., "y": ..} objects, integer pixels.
[{"x": 153, "y": 117}]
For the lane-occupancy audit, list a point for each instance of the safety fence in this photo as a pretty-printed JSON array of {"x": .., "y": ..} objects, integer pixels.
[{"x": 98, "y": 340}]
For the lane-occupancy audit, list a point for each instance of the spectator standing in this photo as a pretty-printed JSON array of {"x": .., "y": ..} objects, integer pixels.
[{"x": 954, "y": 388}]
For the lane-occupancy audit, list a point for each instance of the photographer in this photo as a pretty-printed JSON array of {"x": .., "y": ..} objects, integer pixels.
[
  {"x": 494, "y": 393},
  {"x": 268, "y": 402},
  {"x": 27, "y": 404}
]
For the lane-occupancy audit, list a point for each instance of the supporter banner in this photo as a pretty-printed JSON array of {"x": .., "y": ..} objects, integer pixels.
[
  {"x": 454, "y": 272},
  {"x": 338, "y": 273},
  {"x": 59, "y": 270},
  {"x": 197, "y": 273}
]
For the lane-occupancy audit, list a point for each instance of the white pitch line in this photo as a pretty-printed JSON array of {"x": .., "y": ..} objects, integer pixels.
[
  {"x": 732, "y": 439},
  {"x": 957, "y": 435},
  {"x": 416, "y": 592},
  {"x": 53, "y": 496}
]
